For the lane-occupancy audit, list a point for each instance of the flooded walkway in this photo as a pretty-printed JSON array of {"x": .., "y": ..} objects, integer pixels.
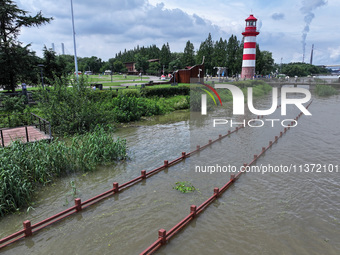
[
  {"x": 273, "y": 213},
  {"x": 22, "y": 134}
]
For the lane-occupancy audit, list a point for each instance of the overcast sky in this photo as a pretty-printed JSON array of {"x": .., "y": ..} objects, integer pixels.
[{"x": 105, "y": 27}]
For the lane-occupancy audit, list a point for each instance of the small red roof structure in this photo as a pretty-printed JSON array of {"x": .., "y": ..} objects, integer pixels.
[{"x": 251, "y": 17}]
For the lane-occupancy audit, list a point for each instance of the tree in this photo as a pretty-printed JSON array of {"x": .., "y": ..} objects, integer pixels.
[
  {"x": 118, "y": 66},
  {"x": 142, "y": 63},
  {"x": 234, "y": 55},
  {"x": 154, "y": 68},
  {"x": 264, "y": 62},
  {"x": 165, "y": 55},
  {"x": 207, "y": 50},
  {"x": 175, "y": 65},
  {"x": 188, "y": 58},
  {"x": 300, "y": 69},
  {"x": 13, "y": 64},
  {"x": 93, "y": 64},
  {"x": 53, "y": 65},
  {"x": 220, "y": 53}
]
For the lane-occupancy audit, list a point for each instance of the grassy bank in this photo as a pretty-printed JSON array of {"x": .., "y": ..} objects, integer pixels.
[
  {"x": 325, "y": 90},
  {"x": 24, "y": 167},
  {"x": 78, "y": 112}
]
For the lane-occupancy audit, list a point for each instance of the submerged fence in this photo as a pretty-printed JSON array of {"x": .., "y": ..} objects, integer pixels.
[
  {"x": 29, "y": 228},
  {"x": 164, "y": 236}
]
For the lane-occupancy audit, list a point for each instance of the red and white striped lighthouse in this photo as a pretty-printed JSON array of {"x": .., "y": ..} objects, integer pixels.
[{"x": 249, "y": 49}]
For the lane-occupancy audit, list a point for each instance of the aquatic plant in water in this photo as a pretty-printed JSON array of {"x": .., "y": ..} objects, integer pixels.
[{"x": 184, "y": 187}]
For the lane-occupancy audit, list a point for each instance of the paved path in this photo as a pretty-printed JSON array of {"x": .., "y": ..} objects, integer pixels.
[{"x": 19, "y": 133}]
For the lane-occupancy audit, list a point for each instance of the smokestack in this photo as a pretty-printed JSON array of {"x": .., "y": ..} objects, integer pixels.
[
  {"x": 62, "y": 48},
  {"x": 311, "y": 55},
  {"x": 307, "y": 10},
  {"x": 53, "y": 47}
]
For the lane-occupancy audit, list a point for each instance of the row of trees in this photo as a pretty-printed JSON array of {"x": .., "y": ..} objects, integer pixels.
[
  {"x": 301, "y": 69},
  {"x": 20, "y": 64},
  {"x": 222, "y": 53}
]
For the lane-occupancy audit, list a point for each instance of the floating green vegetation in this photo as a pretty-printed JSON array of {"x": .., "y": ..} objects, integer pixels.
[
  {"x": 184, "y": 187},
  {"x": 325, "y": 90},
  {"x": 24, "y": 166}
]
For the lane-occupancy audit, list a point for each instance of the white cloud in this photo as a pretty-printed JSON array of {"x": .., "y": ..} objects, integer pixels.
[
  {"x": 106, "y": 27},
  {"x": 334, "y": 53}
]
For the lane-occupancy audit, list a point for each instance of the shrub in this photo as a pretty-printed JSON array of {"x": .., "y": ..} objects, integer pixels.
[
  {"x": 71, "y": 110},
  {"x": 165, "y": 92}
]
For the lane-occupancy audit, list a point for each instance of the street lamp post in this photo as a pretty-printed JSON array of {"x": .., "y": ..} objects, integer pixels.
[
  {"x": 111, "y": 72},
  {"x": 41, "y": 73},
  {"x": 199, "y": 75},
  {"x": 174, "y": 75}
]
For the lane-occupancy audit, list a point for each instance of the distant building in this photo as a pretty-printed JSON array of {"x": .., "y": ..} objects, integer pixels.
[
  {"x": 131, "y": 67},
  {"x": 153, "y": 60}
]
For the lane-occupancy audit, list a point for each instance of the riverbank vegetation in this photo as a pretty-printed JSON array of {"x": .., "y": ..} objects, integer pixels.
[
  {"x": 325, "y": 90},
  {"x": 87, "y": 117},
  {"x": 259, "y": 88},
  {"x": 78, "y": 109},
  {"x": 25, "y": 167},
  {"x": 302, "y": 69}
]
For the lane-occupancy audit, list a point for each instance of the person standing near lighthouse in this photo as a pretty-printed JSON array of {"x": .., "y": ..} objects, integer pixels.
[{"x": 249, "y": 49}]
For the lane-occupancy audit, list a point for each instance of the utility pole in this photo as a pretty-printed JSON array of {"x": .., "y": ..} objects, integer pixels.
[
  {"x": 74, "y": 44},
  {"x": 311, "y": 55}
]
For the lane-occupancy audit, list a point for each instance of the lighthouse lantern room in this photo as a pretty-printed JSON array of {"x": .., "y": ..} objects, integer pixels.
[{"x": 249, "y": 49}]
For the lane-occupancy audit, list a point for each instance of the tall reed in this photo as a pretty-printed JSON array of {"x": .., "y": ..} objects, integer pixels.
[
  {"x": 325, "y": 90},
  {"x": 23, "y": 167}
]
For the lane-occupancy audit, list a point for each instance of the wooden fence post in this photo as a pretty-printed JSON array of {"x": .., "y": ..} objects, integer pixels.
[
  {"x": 2, "y": 139},
  {"x": 26, "y": 134}
]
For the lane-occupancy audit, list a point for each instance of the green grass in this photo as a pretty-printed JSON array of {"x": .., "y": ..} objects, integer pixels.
[
  {"x": 325, "y": 90},
  {"x": 97, "y": 78},
  {"x": 118, "y": 83}
]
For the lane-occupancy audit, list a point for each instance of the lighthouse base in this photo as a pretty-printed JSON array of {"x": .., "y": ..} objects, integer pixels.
[{"x": 248, "y": 72}]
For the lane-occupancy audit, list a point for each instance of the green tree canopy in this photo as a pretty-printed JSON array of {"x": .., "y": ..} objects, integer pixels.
[
  {"x": 188, "y": 58},
  {"x": 234, "y": 55},
  {"x": 207, "y": 50},
  {"x": 53, "y": 65},
  {"x": 264, "y": 62},
  {"x": 301, "y": 69},
  {"x": 220, "y": 53},
  {"x": 142, "y": 63},
  {"x": 16, "y": 60},
  {"x": 165, "y": 55}
]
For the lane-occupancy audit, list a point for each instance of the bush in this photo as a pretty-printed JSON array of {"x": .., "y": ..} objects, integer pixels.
[
  {"x": 165, "y": 92},
  {"x": 130, "y": 92},
  {"x": 71, "y": 110}
]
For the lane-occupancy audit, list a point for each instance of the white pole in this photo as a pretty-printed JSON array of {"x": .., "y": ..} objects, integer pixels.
[{"x": 74, "y": 43}]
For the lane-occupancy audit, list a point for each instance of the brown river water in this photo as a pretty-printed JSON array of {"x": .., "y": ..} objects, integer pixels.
[{"x": 271, "y": 213}]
